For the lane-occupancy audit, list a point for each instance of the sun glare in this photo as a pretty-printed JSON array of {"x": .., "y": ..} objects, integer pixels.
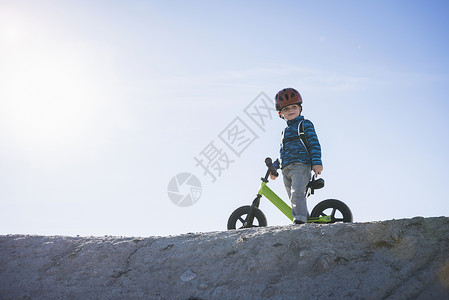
[
  {"x": 9, "y": 30},
  {"x": 48, "y": 100},
  {"x": 10, "y": 33}
]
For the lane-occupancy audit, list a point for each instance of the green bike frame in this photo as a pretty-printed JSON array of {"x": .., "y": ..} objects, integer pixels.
[
  {"x": 278, "y": 202},
  {"x": 284, "y": 207}
]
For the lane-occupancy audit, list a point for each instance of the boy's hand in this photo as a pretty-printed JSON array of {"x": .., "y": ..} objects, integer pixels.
[
  {"x": 273, "y": 177},
  {"x": 317, "y": 169}
]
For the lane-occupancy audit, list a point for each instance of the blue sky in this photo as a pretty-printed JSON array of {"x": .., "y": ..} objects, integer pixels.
[{"x": 102, "y": 103}]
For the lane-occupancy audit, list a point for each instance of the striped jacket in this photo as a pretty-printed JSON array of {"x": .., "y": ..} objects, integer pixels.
[{"x": 293, "y": 150}]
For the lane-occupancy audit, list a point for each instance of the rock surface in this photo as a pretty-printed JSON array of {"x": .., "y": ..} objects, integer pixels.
[{"x": 398, "y": 259}]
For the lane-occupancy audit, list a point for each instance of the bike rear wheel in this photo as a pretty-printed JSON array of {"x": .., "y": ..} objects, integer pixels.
[
  {"x": 338, "y": 211},
  {"x": 238, "y": 217}
]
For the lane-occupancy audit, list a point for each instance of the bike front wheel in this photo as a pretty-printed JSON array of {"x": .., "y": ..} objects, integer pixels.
[
  {"x": 237, "y": 220},
  {"x": 338, "y": 211}
]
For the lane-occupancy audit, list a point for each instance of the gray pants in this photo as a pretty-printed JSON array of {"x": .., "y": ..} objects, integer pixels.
[{"x": 296, "y": 177}]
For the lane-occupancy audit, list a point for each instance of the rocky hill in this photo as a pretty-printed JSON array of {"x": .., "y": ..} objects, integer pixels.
[{"x": 398, "y": 259}]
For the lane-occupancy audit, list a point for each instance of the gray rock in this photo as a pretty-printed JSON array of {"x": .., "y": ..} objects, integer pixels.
[
  {"x": 397, "y": 259},
  {"x": 187, "y": 276}
]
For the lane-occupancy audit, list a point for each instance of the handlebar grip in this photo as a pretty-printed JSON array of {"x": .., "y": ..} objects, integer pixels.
[{"x": 271, "y": 168}]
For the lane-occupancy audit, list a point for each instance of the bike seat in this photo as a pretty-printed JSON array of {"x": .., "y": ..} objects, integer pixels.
[{"x": 316, "y": 184}]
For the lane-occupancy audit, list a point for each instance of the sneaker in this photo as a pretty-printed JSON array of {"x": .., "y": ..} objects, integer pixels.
[{"x": 298, "y": 222}]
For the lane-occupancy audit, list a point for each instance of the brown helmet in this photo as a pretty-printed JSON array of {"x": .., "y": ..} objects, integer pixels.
[{"x": 287, "y": 97}]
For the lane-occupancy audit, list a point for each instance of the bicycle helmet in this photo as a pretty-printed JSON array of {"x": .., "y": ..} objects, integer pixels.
[{"x": 287, "y": 97}]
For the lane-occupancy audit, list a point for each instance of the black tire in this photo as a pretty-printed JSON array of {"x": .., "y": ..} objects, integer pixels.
[
  {"x": 237, "y": 218},
  {"x": 338, "y": 211}
]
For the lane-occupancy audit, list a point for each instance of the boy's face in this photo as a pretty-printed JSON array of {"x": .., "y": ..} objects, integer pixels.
[{"x": 290, "y": 112}]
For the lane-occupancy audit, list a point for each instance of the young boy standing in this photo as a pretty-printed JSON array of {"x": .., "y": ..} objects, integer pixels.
[{"x": 298, "y": 156}]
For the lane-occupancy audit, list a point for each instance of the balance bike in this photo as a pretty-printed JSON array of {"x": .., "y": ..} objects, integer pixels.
[{"x": 327, "y": 211}]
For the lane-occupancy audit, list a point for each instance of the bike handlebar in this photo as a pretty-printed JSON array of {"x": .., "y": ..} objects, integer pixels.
[{"x": 270, "y": 166}]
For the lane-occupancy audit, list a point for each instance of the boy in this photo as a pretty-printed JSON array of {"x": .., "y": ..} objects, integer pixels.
[{"x": 297, "y": 157}]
